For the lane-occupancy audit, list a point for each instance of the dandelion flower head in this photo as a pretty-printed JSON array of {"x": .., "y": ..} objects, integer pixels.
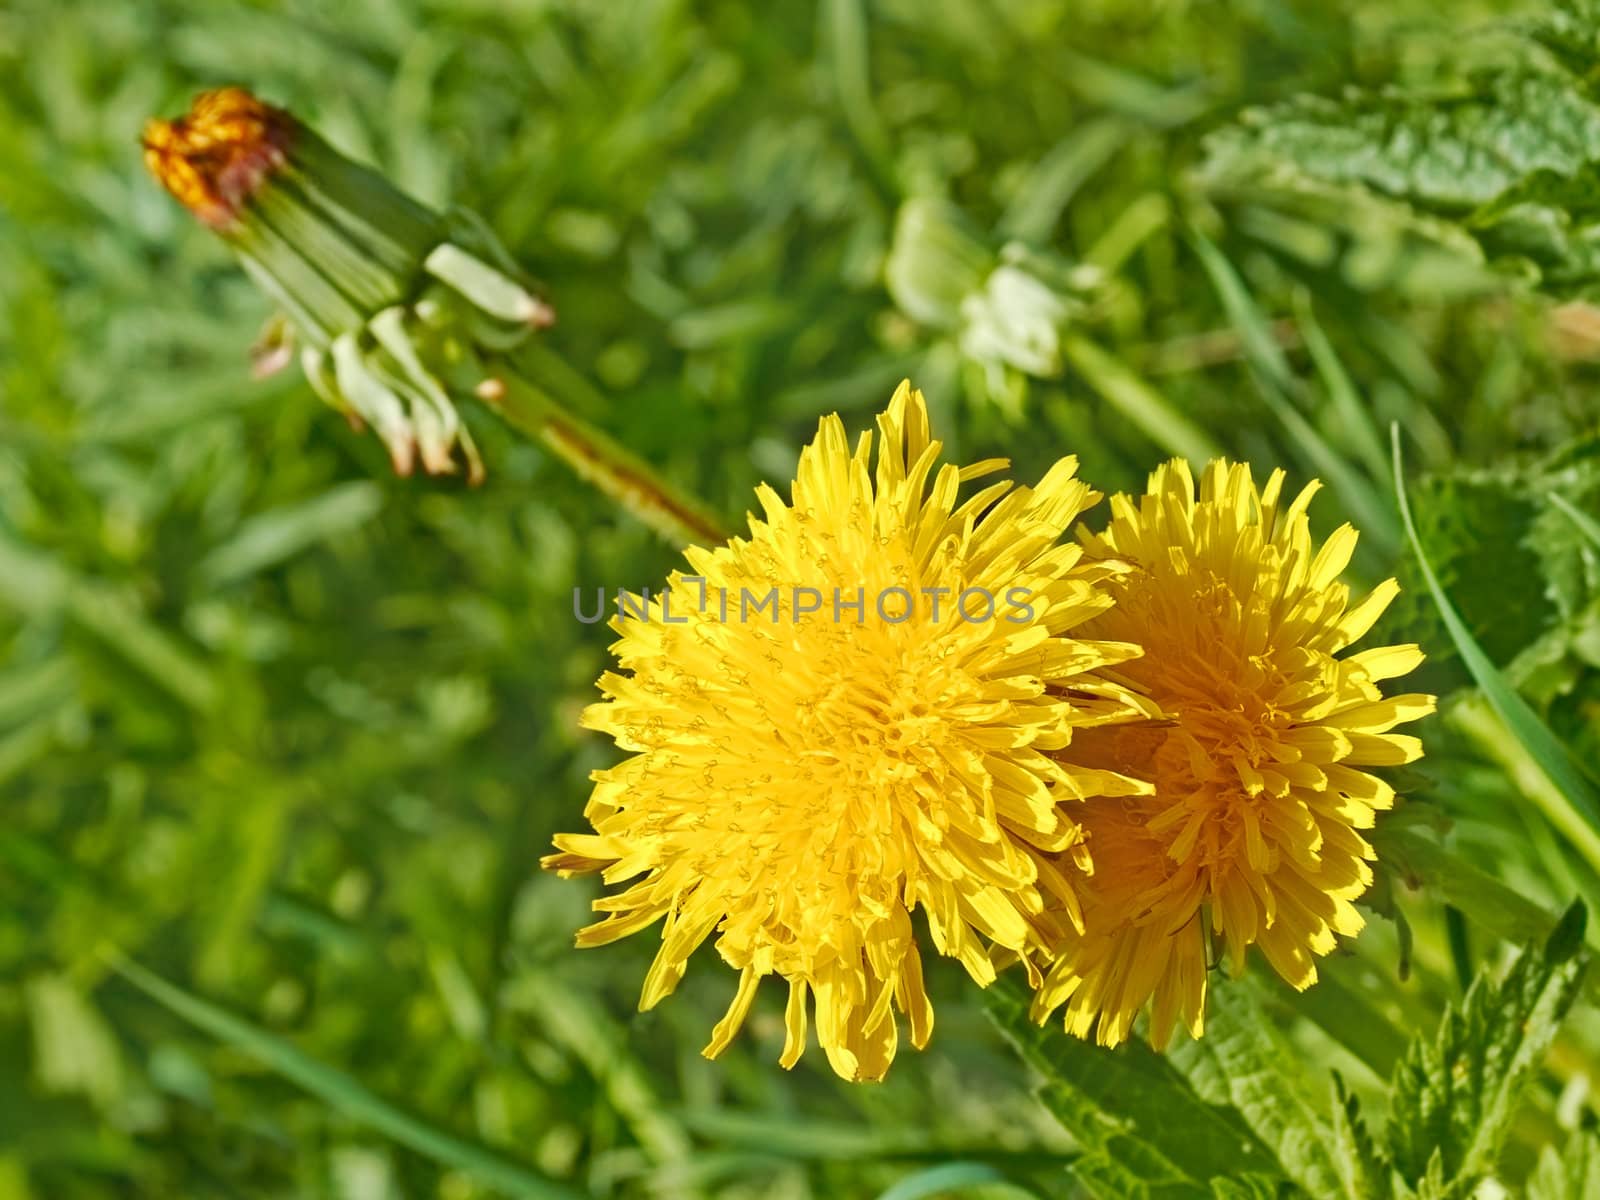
[
  {"x": 1258, "y": 763},
  {"x": 800, "y": 785}
]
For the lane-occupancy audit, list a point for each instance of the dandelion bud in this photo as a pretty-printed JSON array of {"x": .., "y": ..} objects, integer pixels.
[
  {"x": 936, "y": 260},
  {"x": 1006, "y": 307},
  {"x": 394, "y": 304}
]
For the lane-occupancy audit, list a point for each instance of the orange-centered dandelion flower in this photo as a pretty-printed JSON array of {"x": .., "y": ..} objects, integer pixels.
[
  {"x": 1258, "y": 760},
  {"x": 867, "y": 706}
]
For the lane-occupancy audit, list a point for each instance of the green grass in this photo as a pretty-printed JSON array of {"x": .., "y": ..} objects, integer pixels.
[{"x": 290, "y": 734}]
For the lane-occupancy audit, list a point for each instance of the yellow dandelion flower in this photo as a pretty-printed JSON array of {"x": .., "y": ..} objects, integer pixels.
[
  {"x": 865, "y": 707},
  {"x": 1257, "y": 761}
]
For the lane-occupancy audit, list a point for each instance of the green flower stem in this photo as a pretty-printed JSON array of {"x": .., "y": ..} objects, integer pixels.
[{"x": 602, "y": 461}]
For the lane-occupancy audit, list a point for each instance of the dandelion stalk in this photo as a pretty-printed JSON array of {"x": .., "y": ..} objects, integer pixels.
[
  {"x": 600, "y": 460},
  {"x": 400, "y": 312}
]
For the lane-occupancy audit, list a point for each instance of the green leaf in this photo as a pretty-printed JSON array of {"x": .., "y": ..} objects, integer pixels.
[
  {"x": 277, "y": 535},
  {"x": 1248, "y": 1187},
  {"x": 1136, "y": 401},
  {"x": 1361, "y": 1163},
  {"x": 1587, "y": 525},
  {"x": 1241, "y": 1062},
  {"x": 1571, "y": 1174},
  {"x": 1510, "y": 156},
  {"x": 1276, "y": 383},
  {"x": 948, "y": 1179},
  {"x": 1143, "y": 1130},
  {"x": 1451, "y": 152},
  {"x": 74, "y": 1049},
  {"x": 1570, "y": 31},
  {"x": 1501, "y": 911},
  {"x": 1454, "y": 1096},
  {"x": 1133, "y": 1169},
  {"x": 339, "y": 1091},
  {"x": 1566, "y": 535},
  {"x": 1353, "y": 1015},
  {"x": 1574, "y": 787}
]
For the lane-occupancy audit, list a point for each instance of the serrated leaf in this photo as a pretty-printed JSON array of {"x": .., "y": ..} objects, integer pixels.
[
  {"x": 1509, "y": 157},
  {"x": 1248, "y": 1187},
  {"x": 1454, "y": 1095},
  {"x": 1143, "y": 1129},
  {"x": 1240, "y": 1062},
  {"x": 1570, "y": 31},
  {"x": 1362, "y": 1164},
  {"x": 1523, "y": 574},
  {"x": 1447, "y": 152},
  {"x": 1126, "y": 1168},
  {"x": 1567, "y": 537},
  {"x": 1500, "y": 595}
]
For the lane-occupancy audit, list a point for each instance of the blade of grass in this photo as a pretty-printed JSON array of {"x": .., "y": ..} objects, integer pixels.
[
  {"x": 1261, "y": 348},
  {"x": 36, "y": 585},
  {"x": 274, "y": 536},
  {"x": 1055, "y": 179},
  {"x": 1481, "y": 722},
  {"x": 1351, "y": 1016},
  {"x": 340, "y": 1091},
  {"x": 1500, "y": 911},
  {"x": 1276, "y": 383},
  {"x": 786, "y": 1135},
  {"x": 566, "y": 1016},
  {"x": 1133, "y": 226},
  {"x": 1575, "y": 801},
  {"x": 1138, "y": 401},
  {"x": 1131, "y": 93},
  {"x": 845, "y": 26},
  {"x": 949, "y": 1178},
  {"x": 1353, "y": 415}
]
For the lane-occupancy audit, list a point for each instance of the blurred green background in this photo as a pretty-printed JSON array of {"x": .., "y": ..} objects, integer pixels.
[{"x": 292, "y": 733}]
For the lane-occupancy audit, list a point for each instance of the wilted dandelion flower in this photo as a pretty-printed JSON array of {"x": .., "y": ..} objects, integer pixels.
[
  {"x": 1251, "y": 835},
  {"x": 396, "y": 306},
  {"x": 401, "y": 313},
  {"x": 895, "y": 731}
]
